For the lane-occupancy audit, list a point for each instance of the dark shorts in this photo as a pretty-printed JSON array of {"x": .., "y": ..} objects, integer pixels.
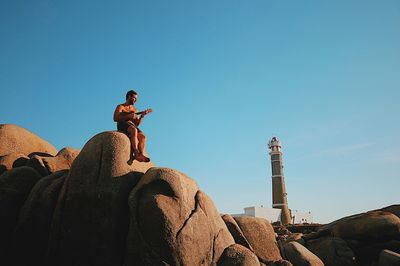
[{"x": 123, "y": 126}]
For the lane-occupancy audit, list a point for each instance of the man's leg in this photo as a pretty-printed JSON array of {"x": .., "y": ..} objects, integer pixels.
[
  {"x": 142, "y": 144},
  {"x": 133, "y": 136},
  {"x": 133, "y": 133}
]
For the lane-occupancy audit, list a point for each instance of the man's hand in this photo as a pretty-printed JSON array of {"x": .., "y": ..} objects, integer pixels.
[{"x": 145, "y": 112}]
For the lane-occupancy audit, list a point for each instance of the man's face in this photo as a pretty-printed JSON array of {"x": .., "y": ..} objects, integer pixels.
[{"x": 132, "y": 98}]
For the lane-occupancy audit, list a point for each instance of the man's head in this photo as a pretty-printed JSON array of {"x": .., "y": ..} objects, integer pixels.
[{"x": 131, "y": 96}]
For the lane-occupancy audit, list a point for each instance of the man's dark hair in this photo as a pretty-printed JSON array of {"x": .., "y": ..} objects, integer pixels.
[{"x": 129, "y": 93}]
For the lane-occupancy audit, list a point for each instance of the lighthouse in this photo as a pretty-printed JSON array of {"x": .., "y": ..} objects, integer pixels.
[{"x": 279, "y": 200}]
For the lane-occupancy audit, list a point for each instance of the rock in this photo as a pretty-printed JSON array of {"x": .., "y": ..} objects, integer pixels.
[
  {"x": 367, "y": 251},
  {"x": 389, "y": 258},
  {"x": 46, "y": 165},
  {"x": 15, "y": 186},
  {"x": 15, "y": 139},
  {"x": 12, "y": 160},
  {"x": 299, "y": 255},
  {"x": 261, "y": 236},
  {"x": 30, "y": 238},
  {"x": 372, "y": 226},
  {"x": 91, "y": 218},
  {"x": 236, "y": 232},
  {"x": 395, "y": 209},
  {"x": 238, "y": 255},
  {"x": 332, "y": 251},
  {"x": 298, "y": 237},
  {"x": 173, "y": 222},
  {"x": 278, "y": 263},
  {"x": 277, "y": 223}
]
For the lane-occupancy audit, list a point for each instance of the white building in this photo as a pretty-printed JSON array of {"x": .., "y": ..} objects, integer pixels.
[{"x": 274, "y": 215}]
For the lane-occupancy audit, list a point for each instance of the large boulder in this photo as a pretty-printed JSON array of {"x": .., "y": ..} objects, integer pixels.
[
  {"x": 298, "y": 237},
  {"x": 12, "y": 160},
  {"x": 277, "y": 263},
  {"x": 236, "y": 232},
  {"x": 367, "y": 251},
  {"x": 261, "y": 236},
  {"x": 14, "y": 138},
  {"x": 91, "y": 219},
  {"x": 172, "y": 222},
  {"x": 30, "y": 237},
  {"x": 46, "y": 165},
  {"x": 395, "y": 209},
  {"x": 332, "y": 251},
  {"x": 372, "y": 226},
  {"x": 299, "y": 255},
  {"x": 238, "y": 255},
  {"x": 15, "y": 186}
]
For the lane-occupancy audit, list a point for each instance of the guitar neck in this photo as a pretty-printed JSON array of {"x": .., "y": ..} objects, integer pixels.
[{"x": 131, "y": 112}]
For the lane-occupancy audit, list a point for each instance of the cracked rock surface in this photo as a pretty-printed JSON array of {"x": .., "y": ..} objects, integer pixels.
[
  {"x": 173, "y": 222},
  {"x": 261, "y": 236}
]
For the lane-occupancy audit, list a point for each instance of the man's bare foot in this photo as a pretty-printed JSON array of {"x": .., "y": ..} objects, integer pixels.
[
  {"x": 131, "y": 159},
  {"x": 141, "y": 158}
]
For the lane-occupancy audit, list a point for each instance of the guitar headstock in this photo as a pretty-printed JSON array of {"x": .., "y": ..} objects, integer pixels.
[{"x": 148, "y": 111}]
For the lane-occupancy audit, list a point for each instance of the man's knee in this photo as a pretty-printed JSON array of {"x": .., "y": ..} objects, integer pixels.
[
  {"x": 132, "y": 131},
  {"x": 141, "y": 136}
]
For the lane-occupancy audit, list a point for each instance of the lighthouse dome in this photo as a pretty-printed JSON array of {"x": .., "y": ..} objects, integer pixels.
[{"x": 274, "y": 142}]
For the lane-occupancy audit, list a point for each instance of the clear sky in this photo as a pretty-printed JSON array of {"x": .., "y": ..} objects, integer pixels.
[{"x": 222, "y": 77}]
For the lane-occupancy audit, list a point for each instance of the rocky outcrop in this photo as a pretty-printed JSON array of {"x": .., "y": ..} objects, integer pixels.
[
  {"x": 15, "y": 186},
  {"x": 261, "y": 236},
  {"x": 29, "y": 242},
  {"x": 46, "y": 165},
  {"x": 332, "y": 251},
  {"x": 278, "y": 263},
  {"x": 361, "y": 236},
  {"x": 12, "y": 160},
  {"x": 299, "y": 255},
  {"x": 97, "y": 207},
  {"x": 173, "y": 222},
  {"x": 367, "y": 251},
  {"x": 395, "y": 209},
  {"x": 15, "y": 139},
  {"x": 238, "y": 255},
  {"x": 374, "y": 226},
  {"x": 236, "y": 232},
  {"x": 298, "y": 237},
  {"x": 91, "y": 216}
]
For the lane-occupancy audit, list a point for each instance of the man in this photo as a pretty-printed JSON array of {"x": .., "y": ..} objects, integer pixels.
[{"x": 128, "y": 122}]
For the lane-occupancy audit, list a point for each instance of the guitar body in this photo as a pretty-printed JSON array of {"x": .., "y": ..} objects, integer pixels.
[{"x": 136, "y": 119}]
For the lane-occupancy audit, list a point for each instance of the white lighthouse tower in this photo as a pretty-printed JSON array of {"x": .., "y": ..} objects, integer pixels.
[{"x": 279, "y": 200}]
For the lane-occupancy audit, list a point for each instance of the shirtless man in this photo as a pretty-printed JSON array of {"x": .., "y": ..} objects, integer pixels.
[{"x": 128, "y": 122}]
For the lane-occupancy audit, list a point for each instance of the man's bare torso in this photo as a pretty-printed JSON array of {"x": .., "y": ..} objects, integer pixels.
[{"x": 127, "y": 108}]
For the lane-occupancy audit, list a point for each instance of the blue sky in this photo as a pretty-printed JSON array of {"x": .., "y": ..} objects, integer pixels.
[{"x": 222, "y": 77}]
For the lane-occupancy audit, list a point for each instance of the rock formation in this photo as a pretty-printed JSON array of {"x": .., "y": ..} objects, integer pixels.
[
  {"x": 299, "y": 255},
  {"x": 260, "y": 234},
  {"x": 46, "y": 165},
  {"x": 238, "y": 255},
  {"x": 91, "y": 215},
  {"x": 94, "y": 207},
  {"x": 173, "y": 222},
  {"x": 14, "y": 138}
]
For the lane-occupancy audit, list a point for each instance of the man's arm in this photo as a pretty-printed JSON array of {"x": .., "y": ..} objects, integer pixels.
[
  {"x": 119, "y": 115},
  {"x": 138, "y": 121}
]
